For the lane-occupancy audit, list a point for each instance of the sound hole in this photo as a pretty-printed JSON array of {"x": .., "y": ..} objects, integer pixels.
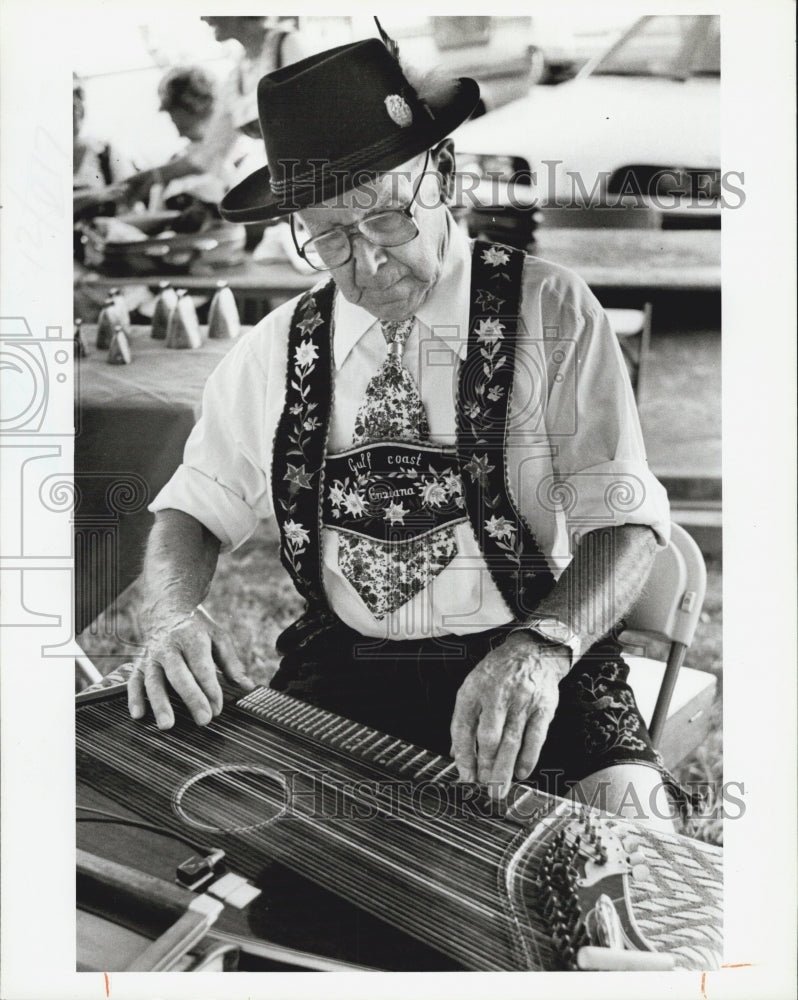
[{"x": 231, "y": 798}]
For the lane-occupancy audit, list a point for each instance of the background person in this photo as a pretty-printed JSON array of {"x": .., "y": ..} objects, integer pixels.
[
  {"x": 98, "y": 170},
  {"x": 97, "y": 166},
  {"x": 95, "y": 163},
  {"x": 264, "y": 47},
  {"x": 188, "y": 94}
]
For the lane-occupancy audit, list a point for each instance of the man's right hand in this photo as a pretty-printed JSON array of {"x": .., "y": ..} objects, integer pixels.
[
  {"x": 184, "y": 655},
  {"x": 137, "y": 186}
]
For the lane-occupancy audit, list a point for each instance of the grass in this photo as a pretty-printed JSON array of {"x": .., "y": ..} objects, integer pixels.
[
  {"x": 253, "y": 598},
  {"x": 706, "y": 653}
]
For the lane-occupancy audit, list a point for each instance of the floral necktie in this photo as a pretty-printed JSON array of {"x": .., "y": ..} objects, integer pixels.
[{"x": 387, "y": 575}]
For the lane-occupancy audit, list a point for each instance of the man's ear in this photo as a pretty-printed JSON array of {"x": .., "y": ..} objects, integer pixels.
[{"x": 443, "y": 160}]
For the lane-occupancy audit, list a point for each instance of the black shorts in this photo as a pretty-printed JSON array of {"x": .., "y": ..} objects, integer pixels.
[{"x": 408, "y": 689}]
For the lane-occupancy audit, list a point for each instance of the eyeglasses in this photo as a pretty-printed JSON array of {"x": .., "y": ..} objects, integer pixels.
[{"x": 390, "y": 228}]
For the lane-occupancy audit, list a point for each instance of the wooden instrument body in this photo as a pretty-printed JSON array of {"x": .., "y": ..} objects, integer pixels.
[{"x": 387, "y": 826}]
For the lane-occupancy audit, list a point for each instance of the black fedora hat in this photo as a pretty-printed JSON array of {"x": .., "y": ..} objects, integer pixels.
[{"x": 333, "y": 119}]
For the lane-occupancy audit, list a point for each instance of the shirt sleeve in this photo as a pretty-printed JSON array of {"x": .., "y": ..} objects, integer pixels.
[
  {"x": 224, "y": 479},
  {"x": 121, "y": 165},
  {"x": 209, "y": 153},
  {"x": 602, "y": 477}
]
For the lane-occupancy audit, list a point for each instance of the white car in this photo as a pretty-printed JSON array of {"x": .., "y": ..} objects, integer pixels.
[
  {"x": 563, "y": 44},
  {"x": 641, "y": 121}
]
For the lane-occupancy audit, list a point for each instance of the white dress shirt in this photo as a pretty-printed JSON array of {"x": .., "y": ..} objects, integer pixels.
[{"x": 575, "y": 458}]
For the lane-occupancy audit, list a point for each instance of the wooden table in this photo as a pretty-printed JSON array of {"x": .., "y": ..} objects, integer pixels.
[
  {"x": 258, "y": 288},
  {"x": 637, "y": 261}
]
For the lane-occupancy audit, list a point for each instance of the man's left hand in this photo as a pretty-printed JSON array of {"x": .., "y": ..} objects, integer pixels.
[{"x": 503, "y": 711}]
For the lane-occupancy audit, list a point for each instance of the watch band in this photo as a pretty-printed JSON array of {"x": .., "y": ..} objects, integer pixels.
[{"x": 555, "y": 632}]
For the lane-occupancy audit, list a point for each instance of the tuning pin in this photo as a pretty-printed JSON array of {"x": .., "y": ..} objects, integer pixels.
[
  {"x": 121, "y": 307},
  {"x": 223, "y": 319},
  {"x": 183, "y": 330},
  {"x": 107, "y": 322},
  {"x": 165, "y": 305},
  {"x": 80, "y": 350},
  {"x": 119, "y": 352}
]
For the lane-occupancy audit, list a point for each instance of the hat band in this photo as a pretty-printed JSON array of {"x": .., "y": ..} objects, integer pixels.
[{"x": 343, "y": 164}]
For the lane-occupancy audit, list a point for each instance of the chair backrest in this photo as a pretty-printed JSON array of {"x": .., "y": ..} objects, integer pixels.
[
  {"x": 669, "y": 608},
  {"x": 633, "y": 325},
  {"x": 670, "y": 605}
]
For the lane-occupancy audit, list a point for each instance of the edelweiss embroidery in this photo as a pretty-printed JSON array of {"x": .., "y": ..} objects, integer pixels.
[
  {"x": 422, "y": 498},
  {"x": 496, "y": 256},
  {"x": 299, "y": 447},
  {"x": 519, "y": 568}
]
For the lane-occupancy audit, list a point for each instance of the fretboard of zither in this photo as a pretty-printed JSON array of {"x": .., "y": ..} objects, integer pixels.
[{"x": 384, "y": 754}]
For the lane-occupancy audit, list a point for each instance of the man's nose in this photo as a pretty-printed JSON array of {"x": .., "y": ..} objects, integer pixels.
[{"x": 368, "y": 257}]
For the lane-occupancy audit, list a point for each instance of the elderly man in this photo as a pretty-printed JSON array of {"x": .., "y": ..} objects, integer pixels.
[{"x": 439, "y": 432}]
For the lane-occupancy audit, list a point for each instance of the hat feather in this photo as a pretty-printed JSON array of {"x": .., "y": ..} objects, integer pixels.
[{"x": 390, "y": 43}]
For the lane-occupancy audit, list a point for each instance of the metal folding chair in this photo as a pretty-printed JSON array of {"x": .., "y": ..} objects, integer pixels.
[
  {"x": 632, "y": 327},
  {"x": 674, "y": 700}
]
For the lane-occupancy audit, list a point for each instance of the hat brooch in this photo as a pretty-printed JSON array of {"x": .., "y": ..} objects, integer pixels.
[{"x": 399, "y": 110}]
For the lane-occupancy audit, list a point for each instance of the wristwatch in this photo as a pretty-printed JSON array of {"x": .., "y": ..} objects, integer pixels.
[{"x": 554, "y": 632}]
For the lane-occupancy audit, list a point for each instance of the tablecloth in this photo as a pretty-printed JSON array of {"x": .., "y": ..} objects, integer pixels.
[{"x": 131, "y": 424}]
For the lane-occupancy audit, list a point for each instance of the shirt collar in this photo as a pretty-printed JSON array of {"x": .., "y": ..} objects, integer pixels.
[{"x": 444, "y": 313}]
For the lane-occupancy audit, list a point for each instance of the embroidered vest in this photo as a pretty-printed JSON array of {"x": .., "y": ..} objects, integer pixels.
[{"x": 309, "y": 488}]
